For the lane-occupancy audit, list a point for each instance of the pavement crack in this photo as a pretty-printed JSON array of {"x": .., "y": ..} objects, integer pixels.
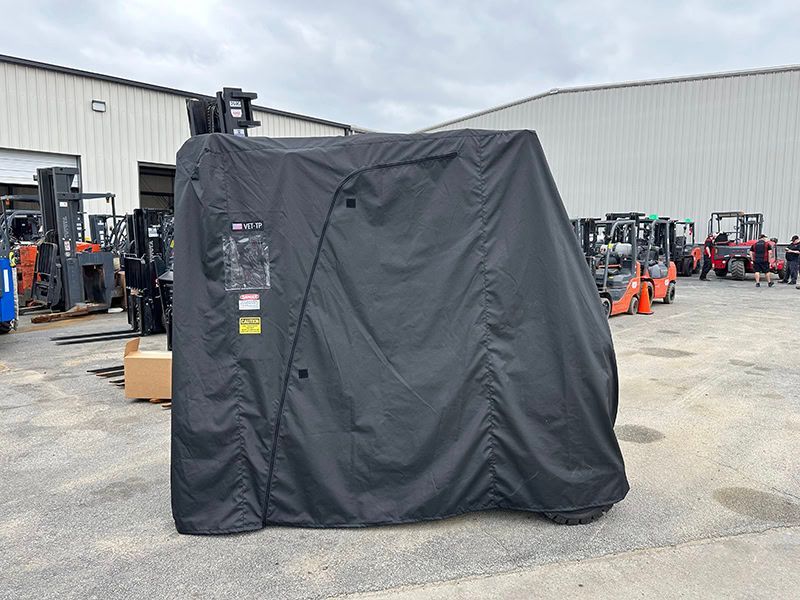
[{"x": 744, "y": 475}]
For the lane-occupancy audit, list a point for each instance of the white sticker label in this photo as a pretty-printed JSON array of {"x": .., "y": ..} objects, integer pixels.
[
  {"x": 6, "y": 284},
  {"x": 236, "y": 113},
  {"x": 249, "y": 302},
  {"x": 235, "y": 104},
  {"x": 239, "y": 132},
  {"x": 63, "y": 204}
]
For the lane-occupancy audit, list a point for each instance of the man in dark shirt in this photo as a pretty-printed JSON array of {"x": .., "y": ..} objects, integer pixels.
[
  {"x": 792, "y": 261},
  {"x": 761, "y": 256},
  {"x": 708, "y": 249}
]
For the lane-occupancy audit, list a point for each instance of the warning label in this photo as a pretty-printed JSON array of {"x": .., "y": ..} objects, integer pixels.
[
  {"x": 249, "y": 302},
  {"x": 249, "y": 325}
]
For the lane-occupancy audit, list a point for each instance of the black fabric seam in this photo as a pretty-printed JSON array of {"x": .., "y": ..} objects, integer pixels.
[
  {"x": 485, "y": 340},
  {"x": 237, "y": 393},
  {"x": 304, "y": 303}
]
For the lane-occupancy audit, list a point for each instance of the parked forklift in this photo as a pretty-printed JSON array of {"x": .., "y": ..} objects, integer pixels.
[
  {"x": 655, "y": 248},
  {"x": 149, "y": 256},
  {"x": 21, "y": 225},
  {"x": 734, "y": 233},
  {"x": 688, "y": 255},
  {"x": 108, "y": 232},
  {"x": 609, "y": 247},
  {"x": 69, "y": 273},
  {"x": 586, "y": 231},
  {"x": 618, "y": 273}
]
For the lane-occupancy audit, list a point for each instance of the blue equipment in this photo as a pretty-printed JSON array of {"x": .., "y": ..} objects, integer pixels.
[
  {"x": 8, "y": 288},
  {"x": 8, "y": 300}
]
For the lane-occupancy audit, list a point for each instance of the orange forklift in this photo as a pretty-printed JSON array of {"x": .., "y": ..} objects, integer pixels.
[
  {"x": 655, "y": 246},
  {"x": 617, "y": 272}
]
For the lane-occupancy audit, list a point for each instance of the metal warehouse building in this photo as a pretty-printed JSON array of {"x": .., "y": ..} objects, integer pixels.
[
  {"x": 681, "y": 147},
  {"x": 123, "y": 135}
]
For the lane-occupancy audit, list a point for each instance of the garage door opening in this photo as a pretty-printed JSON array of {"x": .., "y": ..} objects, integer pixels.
[
  {"x": 19, "y": 190},
  {"x": 18, "y": 172},
  {"x": 156, "y": 186}
]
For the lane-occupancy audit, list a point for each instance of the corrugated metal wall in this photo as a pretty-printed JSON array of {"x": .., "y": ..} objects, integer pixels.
[
  {"x": 48, "y": 111},
  {"x": 681, "y": 148}
]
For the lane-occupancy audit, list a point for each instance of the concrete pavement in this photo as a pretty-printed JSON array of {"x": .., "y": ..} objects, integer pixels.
[{"x": 709, "y": 424}]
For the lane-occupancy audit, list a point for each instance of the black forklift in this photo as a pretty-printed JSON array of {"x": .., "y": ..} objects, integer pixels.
[
  {"x": 108, "y": 231},
  {"x": 148, "y": 257},
  {"x": 22, "y": 225},
  {"x": 687, "y": 252},
  {"x": 69, "y": 274},
  {"x": 586, "y": 232}
]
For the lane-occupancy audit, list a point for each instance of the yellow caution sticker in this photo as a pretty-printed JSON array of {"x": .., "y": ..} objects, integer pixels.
[{"x": 249, "y": 325}]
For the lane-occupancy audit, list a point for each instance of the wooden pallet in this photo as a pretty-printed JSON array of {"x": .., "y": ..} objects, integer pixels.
[{"x": 73, "y": 313}]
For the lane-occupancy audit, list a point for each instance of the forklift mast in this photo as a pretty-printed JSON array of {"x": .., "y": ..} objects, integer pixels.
[
  {"x": 663, "y": 236},
  {"x": 148, "y": 256},
  {"x": 65, "y": 277},
  {"x": 585, "y": 229},
  {"x": 230, "y": 112}
]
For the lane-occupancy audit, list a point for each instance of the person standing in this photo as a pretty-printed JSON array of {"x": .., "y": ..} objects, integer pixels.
[
  {"x": 761, "y": 256},
  {"x": 708, "y": 250},
  {"x": 792, "y": 261}
]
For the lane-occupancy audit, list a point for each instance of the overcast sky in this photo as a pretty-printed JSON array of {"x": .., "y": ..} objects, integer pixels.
[{"x": 399, "y": 65}]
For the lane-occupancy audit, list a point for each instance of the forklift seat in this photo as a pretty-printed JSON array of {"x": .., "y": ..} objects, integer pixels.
[{"x": 658, "y": 270}]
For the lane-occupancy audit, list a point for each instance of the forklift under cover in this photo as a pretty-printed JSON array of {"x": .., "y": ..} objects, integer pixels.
[{"x": 382, "y": 329}]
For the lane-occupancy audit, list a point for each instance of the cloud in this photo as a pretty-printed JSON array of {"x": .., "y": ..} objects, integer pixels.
[{"x": 400, "y": 65}]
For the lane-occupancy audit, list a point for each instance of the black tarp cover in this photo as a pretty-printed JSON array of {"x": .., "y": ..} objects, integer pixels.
[{"x": 382, "y": 329}]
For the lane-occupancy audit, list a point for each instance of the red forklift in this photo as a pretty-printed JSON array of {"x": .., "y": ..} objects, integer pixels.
[{"x": 734, "y": 232}]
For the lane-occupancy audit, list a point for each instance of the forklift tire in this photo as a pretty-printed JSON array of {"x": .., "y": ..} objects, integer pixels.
[
  {"x": 720, "y": 273},
  {"x": 737, "y": 270},
  {"x": 697, "y": 266},
  {"x": 670, "y": 297},
  {"x": 633, "y": 307},
  {"x": 782, "y": 272},
  {"x": 688, "y": 267},
  {"x": 606, "y": 306},
  {"x": 5, "y": 327},
  {"x": 578, "y": 517}
]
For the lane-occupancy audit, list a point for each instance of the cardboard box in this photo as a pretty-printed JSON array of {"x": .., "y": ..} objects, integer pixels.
[{"x": 148, "y": 373}]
